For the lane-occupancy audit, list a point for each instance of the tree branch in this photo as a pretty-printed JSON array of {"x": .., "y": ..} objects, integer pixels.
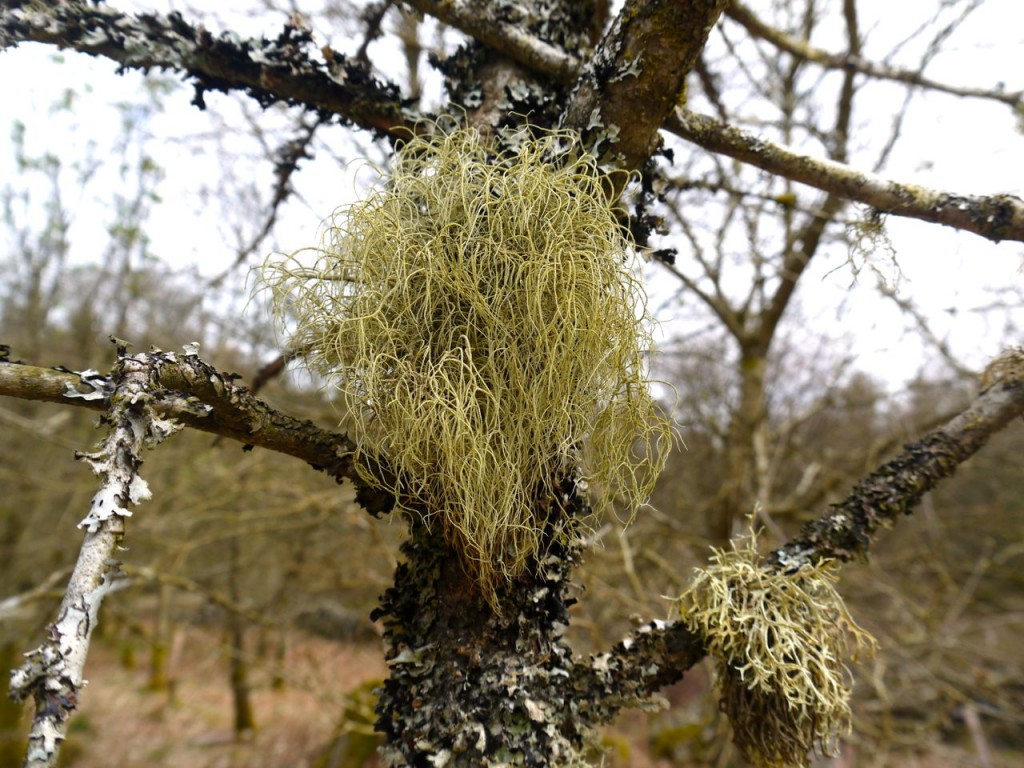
[
  {"x": 287, "y": 158},
  {"x": 644, "y": 662},
  {"x": 659, "y": 653},
  {"x": 278, "y": 70},
  {"x": 894, "y": 489},
  {"x": 52, "y": 675},
  {"x": 200, "y": 397},
  {"x": 995, "y": 217},
  {"x": 746, "y": 18},
  {"x": 481, "y": 21},
  {"x": 602, "y": 108},
  {"x": 634, "y": 80},
  {"x": 14, "y": 606}
]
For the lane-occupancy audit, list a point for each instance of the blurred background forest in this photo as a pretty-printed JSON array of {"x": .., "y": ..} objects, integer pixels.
[{"x": 243, "y": 637}]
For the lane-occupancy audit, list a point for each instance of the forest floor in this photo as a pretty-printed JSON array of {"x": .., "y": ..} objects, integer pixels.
[{"x": 122, "y": 723}]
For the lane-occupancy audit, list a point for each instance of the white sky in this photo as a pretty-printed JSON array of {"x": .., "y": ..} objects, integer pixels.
[{"x": 955, "y": 144}]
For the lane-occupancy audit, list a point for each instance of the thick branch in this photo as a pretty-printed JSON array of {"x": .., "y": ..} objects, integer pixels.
[
  {"x": 202, "y": 398},
  {"x": 894, "y": 489},
  {"x": 741, "y": 14},
  {"x": 481, "y": 21},
  {"x": 654, "y": 656},
  {"x": 995, "y": 217},
  {"x": 636, "y": 76},
  {"x": 278, "y": 70},
  {"x": 659, "y": 653}
]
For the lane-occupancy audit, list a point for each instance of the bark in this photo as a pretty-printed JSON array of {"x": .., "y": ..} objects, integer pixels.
[
  {"x": 995, "y": 217},
  {"x": 737, "y": 496},
  {"x": 283, "y": 69},
  {"x": 198, "y": 396},
  {"x": 507, "y": 36},
  {"x": 637, "y": 76},
  {"x": 893, "y": 490},
  {"x": 52, "y": 675}
]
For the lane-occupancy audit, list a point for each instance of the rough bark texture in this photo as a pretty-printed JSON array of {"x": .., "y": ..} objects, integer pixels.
[
  {"x": 469, "y": 686},
  {"x": 503, "y": 28},
  {"x": 52, "y": 674},
  {"x": 198, "y": 396},
  {"x": 637, "y": 75},
  {"x": 283, "y": 69}
]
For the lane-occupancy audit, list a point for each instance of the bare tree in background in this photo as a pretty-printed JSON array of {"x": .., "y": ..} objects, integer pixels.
[{"x": 488, "y": 679}]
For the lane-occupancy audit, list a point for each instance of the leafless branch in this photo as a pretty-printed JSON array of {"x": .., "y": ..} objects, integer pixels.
[
  {"x": 270, "y": 71},
  {"x": 52, "y": 675},
  {"x": 890, "y": 492},
  {"x": 744, "y": 16},
  {"x": 659, "y": 653},
  {"x": 198, "y": 396},
  {"x": 481, "y": 20},
  {"x": 14, "y": 605},
  {"x": 995, "y": 217},
  {"x": 286, "y": 163}
]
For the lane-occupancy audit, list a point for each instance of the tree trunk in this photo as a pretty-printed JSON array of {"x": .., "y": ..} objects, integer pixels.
[
  {"x": 470, "y": 687},
  {"x": 737, "y": 496}
]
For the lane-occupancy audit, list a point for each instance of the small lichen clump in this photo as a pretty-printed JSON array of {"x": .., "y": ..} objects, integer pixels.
[
  {"x": 480, "y": 314},
  {"x": 782, "y": 641}
]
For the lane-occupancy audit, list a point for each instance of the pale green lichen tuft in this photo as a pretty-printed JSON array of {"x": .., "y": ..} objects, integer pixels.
[
  {"x": 480, "y": 314},
  {"x": 782, "y": 642}
]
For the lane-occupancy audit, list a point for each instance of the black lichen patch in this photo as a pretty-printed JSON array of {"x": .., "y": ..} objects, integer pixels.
[
  {"x": 893, "y": 490},
  {"x": 284, "y": 68},
  {"x": 472, "y": 687}
]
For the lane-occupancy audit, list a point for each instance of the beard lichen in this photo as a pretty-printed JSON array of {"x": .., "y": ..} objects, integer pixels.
[
  {"x": 781, "y": 642},
  {"x": 480, "y": 315}
]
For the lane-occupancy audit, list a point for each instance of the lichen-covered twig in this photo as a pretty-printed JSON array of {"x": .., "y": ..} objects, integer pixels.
[
  {"x": 637, "y": 667},
  {"x": 995, "y": 217},
  {"x": 847, "y": 530},
  {"x": 52, "y": 675},
  {"x": 283, "y": 69},
  {"x": 659, "y": 653},
  {"x": 200, "y": 397},
  {"x": 287, "y": 158},
  {"x": 481, "y": 20}
]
